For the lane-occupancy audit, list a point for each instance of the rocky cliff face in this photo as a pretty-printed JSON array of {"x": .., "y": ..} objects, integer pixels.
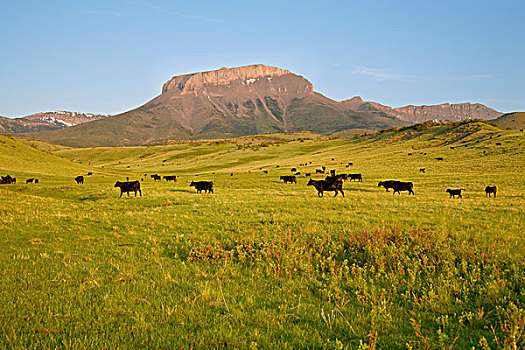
[{"x": 200, "y": 82}]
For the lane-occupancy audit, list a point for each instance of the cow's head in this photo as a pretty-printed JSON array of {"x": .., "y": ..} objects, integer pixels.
[{"x": 117, "y": 184}]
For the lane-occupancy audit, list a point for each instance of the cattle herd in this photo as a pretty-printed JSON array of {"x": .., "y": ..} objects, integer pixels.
[{"x": 332, "y": 183}]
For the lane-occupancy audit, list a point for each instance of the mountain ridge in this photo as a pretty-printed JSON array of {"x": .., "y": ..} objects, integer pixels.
[{"x": 255, "y": 99}]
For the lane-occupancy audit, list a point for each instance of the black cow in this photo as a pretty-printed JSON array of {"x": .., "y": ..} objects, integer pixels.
[
  {"x": 265, "y": 171},
  {"x": 36, "y": 181},
  {"x": 308, "y": 174},
  {"x": 489, "y": 190},
  {"x": 206, "y": 186},
  {"x": 129, "y": 186},
  {"x": 79, "y": 179},
  {"x": 319, "y": 171},
  {"x": 324, "y": 185},
  {"x": 156, "y": 177},
  {"x": 90, "y": 173},
  {"x": 387, "y": 184},
  {"x": 30, "y": 181},
  {"x": 455, "y": 192},
  {"x": 170, "y": 178},
  {"x": 356, "y": 177},
  {"x": 7, "y": 180},
  {"x": 291, "y": 179},
  {"x": 399, "y": 186},
  {"x": 293, "y": 170},
  {"x": 421, "y": 170},
  {"x": 438, "y": 158}
]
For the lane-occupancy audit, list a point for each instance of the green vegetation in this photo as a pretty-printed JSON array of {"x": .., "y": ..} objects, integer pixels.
[
  {"x": 260, "y": 264},
  {"x": 511, "y": 121}
]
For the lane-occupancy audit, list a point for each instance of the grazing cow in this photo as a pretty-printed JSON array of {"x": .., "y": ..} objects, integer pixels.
[
  {"x": 410, "y": 154},
  {"x": 290, "y": 179},
  {"x": 387, "y": 184},
  {"x": 170, "y": 178},
  {"x": 456, "y": 192},
  {"x": 7, "y": 180},
  {"x": 30, "y": 181},
  {"x": 421, "y": 170},
  {"x": 319, "y": 171},
  {"x": 438, "y": 158},
  {"x": 79, "y": 179},
  {"x": 298, "y": 173},
  {"x": 324, "y": 185},
  {"x": 356, "y": 177},
  {"x": 155, "y": 177},
  {"x": 489, "y": 190},
  {"x": 206, "y": 186},
  {"x": 265, "y": 171},
  {"x": 399, "y": 186},
  {"x": 128, "y": 186},
  {"x": 90, "y": 173},
  {"x": 293, "y": 170},
  {"x": 498, "y": 143}
]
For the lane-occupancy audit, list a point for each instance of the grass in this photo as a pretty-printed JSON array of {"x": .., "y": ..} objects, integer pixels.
[{"x": 260, "y": 264}]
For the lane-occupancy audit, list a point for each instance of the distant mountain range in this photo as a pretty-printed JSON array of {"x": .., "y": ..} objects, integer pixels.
[
  {"x": 243, "y": 101},
  {"x": 45, "y": 121}
]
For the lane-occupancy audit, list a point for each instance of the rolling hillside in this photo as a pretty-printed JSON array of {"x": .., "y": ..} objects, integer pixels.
[
  {"x": 511, "y": 121},
  {"x": 20, "y": 159}
]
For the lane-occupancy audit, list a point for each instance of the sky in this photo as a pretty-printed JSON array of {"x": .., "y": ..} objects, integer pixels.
[{"x": 111, "y": 56}]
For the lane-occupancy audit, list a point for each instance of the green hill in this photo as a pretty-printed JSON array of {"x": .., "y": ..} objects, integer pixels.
[
  {"x": 19, "y": 158},
  {"x": 511, "y": 121}
]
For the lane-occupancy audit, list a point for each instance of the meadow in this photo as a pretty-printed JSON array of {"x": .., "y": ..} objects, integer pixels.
[{"x": 259, "y": 263}]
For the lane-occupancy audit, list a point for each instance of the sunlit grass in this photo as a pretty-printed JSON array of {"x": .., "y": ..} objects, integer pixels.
[{"x": 264, "y": 264}]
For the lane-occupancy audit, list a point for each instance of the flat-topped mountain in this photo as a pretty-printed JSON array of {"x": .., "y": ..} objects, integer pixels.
[
  {"x": 45, "y": 121},
  {"x": 232, "y": 102}
]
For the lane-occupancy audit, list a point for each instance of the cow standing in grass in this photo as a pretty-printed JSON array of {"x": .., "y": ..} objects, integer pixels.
[
  {"x": 129, "y": 186},
  {"x": 291, "y": 179},
  {"x": 399, "y": 186},
  {"x": 324, "y": 185},
  {"x": 489, "y": 190},
  {"x": 170, "y": 178},
  {"x": 206, "y": 186},
  {"x": 455, "y": 192},
  {"x": 79, "y": 179},
  {"x": 356, "y": 177},
  {"x": 387, "y": 184}
]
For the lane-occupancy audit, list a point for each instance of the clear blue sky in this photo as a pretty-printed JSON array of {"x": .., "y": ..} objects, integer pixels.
[{"x": 111, "y": 56}]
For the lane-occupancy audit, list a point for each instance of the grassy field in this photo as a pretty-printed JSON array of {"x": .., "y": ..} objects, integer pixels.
[{"x": 261, "y": 264}]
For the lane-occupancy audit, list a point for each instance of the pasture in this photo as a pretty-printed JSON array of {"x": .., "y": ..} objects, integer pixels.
[{"x": 260, "y": 263}]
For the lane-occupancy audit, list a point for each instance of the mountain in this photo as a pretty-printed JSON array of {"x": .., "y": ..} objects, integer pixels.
[
  {"x": 232, "y": 102},
  {"x": 45, "y": 121},
  {"x": 420, "y": 114},
  {"x": 513, "y": 121}
]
